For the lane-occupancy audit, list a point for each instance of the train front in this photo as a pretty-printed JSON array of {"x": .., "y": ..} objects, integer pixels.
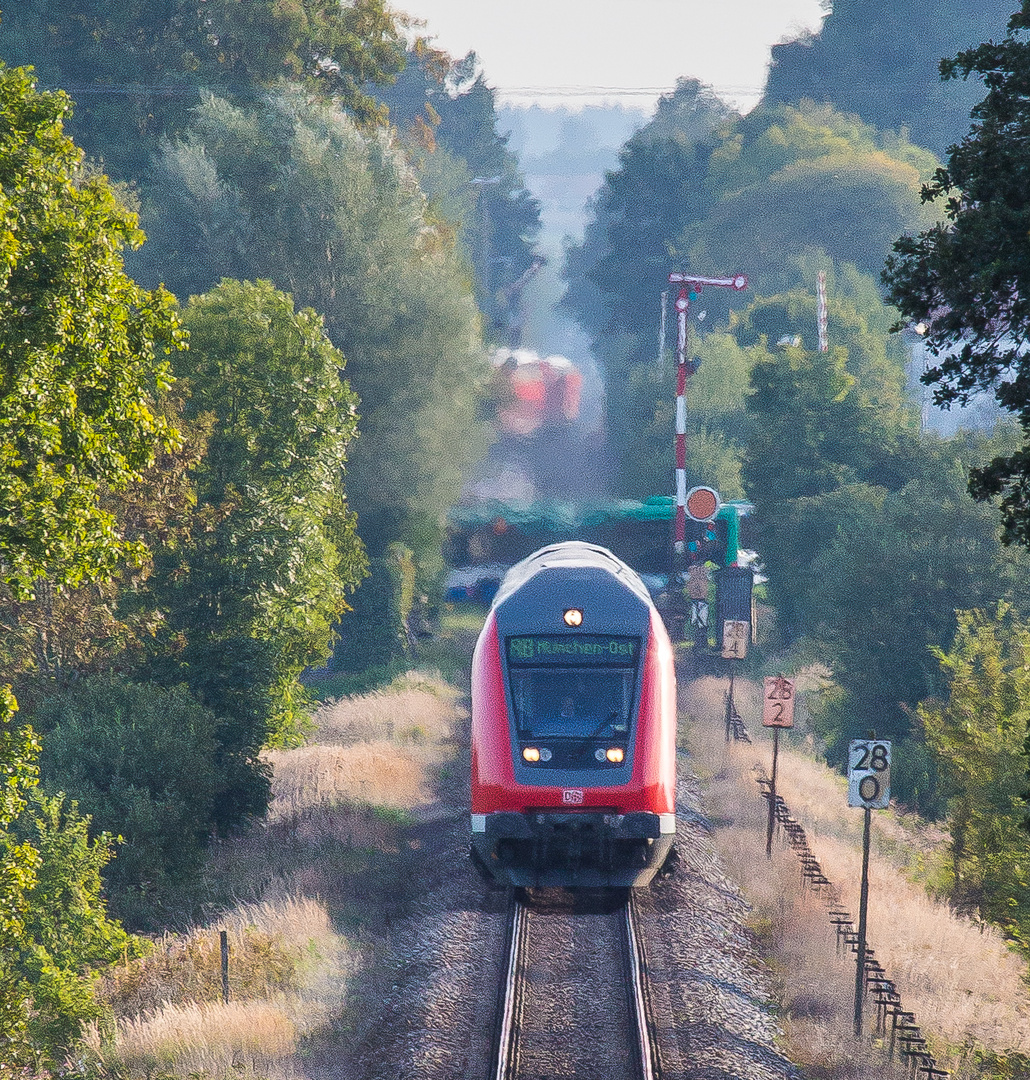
[{"x": 573, "y": 726}]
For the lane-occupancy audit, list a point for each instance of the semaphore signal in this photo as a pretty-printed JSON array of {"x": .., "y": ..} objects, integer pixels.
[{"x": 690, "y": 288}]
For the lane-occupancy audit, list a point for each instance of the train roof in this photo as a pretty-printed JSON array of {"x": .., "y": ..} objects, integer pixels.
[{"x": 571, "y": 554}]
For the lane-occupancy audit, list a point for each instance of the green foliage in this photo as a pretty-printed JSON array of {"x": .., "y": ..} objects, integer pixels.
[
  {"x": 138, "y": 67},
  {"x": 788, "y": 180},
  {"x": 968, "y": 280},
  {"x": 378, "y": 630},
  {"x": 290, "y": 190},
  {"x": 141, "y": 762},
  {"x": 273, "y": 552},
  {"x": 779, "y": 194},
  {"x": 446, "y": 105},
  {"x": 19, "y": 862},
  {"x": 1001, "y": 1065},
  {"x": 887, "y": 579},
  {"x": 64, "y": 633},
  {"x": 84, "y": 352},
  {"x": 880, "y": 61},
  {"x": 978, "y": 735},
  {"x": 616, "y": 275},
  {"x": 68, "y": 936},
  {"x": 715, "y": 428},
  {"x": 867, "y": 534},
  {"x": 821, "y": 439}
]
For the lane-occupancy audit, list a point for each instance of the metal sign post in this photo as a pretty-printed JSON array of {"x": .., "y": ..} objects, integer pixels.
[
  {"x": 735, "y": 636},
  {"x": 869, "y": 786},
  {"x": 777, "y": 712}
]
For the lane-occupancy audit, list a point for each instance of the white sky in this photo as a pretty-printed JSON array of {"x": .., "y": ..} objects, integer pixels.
[{"x": 578, "y": 52}]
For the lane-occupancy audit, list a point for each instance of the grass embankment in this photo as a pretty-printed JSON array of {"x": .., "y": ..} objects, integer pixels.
[
  {"x": 967, "y": 989},
  {"x": 302, "y": 896}
]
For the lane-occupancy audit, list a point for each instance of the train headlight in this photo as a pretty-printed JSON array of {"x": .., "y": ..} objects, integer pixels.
[
  {"x": 531, "y": 753},
  {"x": 545, "y": 754},
  {"x": 573, "y": 617},
  {"x": 599, "y": 754},
  {"x": 615, "y": 754}
]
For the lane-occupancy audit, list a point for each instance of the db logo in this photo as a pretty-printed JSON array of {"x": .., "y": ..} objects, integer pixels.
[{"x": 572, "y": 796}]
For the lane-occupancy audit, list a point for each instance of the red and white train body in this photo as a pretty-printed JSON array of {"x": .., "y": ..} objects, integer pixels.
[{"x": 573, "y": 726}]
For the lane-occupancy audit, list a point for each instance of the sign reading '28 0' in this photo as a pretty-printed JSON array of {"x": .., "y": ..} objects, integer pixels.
[{"x": 869, "y": 773}]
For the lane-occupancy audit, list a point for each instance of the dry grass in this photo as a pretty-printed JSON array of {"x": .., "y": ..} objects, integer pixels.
[
  {"x": 415, "y": 709},
  {"x": 965, "y": 986},
  {"x": 290, "y": 968},
  {"x": 375, "y": 749},
  {"x": 250, "y": 1038},
  {"x": 376, "y": 774}
]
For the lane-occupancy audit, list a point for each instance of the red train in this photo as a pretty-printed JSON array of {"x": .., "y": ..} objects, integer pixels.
[{"x": 573, "y": 726}]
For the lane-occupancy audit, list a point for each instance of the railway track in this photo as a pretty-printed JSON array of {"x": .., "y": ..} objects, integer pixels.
[{"x": 575, "y": 999}]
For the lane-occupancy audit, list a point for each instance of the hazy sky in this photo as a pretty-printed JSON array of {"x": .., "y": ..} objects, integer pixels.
[{"x": 584, "y": 51}]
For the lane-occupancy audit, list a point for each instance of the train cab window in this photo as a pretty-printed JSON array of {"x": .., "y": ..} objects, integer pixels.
[{"x": 567, "y": 687}]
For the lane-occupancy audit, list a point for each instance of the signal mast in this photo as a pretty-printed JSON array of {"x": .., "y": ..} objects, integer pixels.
[{"x": 690, "y": 289}]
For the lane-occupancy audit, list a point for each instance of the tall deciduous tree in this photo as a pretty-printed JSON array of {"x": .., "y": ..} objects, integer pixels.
[
  {"x": 83, "y": 350},
  {"x": 292, "y": 191},
  {"x": 880, "y": 61},
  {"x": 443, "y": 104},
  {"x": 83, "y": 358},
  {"x": 815, "y": 428},
  {"x": 978, "y": 733},
  {"x": 968, "y": 279},
  {"x": 19, "y": 862},
  {"x": 777, "y": 195},
  {"x": 275, "y": 551},
  {"x": 137, "y": 67}
]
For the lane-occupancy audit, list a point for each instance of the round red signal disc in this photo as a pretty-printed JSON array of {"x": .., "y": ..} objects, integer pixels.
[{"x": 702, "y": 503}]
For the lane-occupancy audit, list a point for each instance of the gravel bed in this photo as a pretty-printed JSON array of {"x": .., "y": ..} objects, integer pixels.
[
  {"x": 432, "y": 991},
  {"x": 708, "y": 983},
  {"x": 576, "y": 1019}
]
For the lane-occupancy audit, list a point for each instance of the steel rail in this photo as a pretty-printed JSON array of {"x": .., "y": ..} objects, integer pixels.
[
  {"x": 508, "y": 1026},
  {"x": 509, "y": 1017},
  {"x": 640, "y": 993}
]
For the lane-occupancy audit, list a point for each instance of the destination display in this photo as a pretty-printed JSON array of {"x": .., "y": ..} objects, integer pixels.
[{"x": 581, "y": 649}]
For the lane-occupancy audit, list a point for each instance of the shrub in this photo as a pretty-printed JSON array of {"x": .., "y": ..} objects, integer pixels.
[
  {"x": 68, "y": 937},
  {"x": 141, "y": 761}
]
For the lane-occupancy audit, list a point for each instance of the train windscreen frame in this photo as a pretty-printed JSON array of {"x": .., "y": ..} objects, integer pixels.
[{"x": 578, "y": 687}]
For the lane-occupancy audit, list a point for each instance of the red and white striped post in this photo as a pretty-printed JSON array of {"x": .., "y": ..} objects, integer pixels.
[{"x": 687, "y": 285}]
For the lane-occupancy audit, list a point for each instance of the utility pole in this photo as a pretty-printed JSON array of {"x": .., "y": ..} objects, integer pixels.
[
  {"x": 820, "y": 292},
  {"x": 690, "y": 289}
]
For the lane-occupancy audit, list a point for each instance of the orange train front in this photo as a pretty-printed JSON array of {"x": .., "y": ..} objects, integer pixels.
[{"x": 573, "y": 726}]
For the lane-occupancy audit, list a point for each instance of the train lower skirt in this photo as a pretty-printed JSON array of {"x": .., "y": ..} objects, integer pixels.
[{"x": 578, "y": 850}]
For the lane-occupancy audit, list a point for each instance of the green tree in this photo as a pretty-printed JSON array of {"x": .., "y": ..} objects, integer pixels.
[
  {"x": 138, "y": 67},
  {"x": 142, "y": 762},
  {"x": 19, "y": 862},
  {"x": 889, "y": 578},
  {"x": 778, "y": 194},
  {"x": 967, "y": 279},
  {"x": 84, "y": 351},
  {"x": 880, "y": 61},
  {"x": 274, "y": 552},
  {"x": 816, "y": 429},
  {"x": 291, "y": 191},
  {"x": 977, "y": 734},
  {"x": 445, "y": 104},
  {"x": 617, "y": 274},
  {"x": 63, "y": 633},
  {"x": 69, "y": 938},
  {"x": 714, "y": 413}
]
